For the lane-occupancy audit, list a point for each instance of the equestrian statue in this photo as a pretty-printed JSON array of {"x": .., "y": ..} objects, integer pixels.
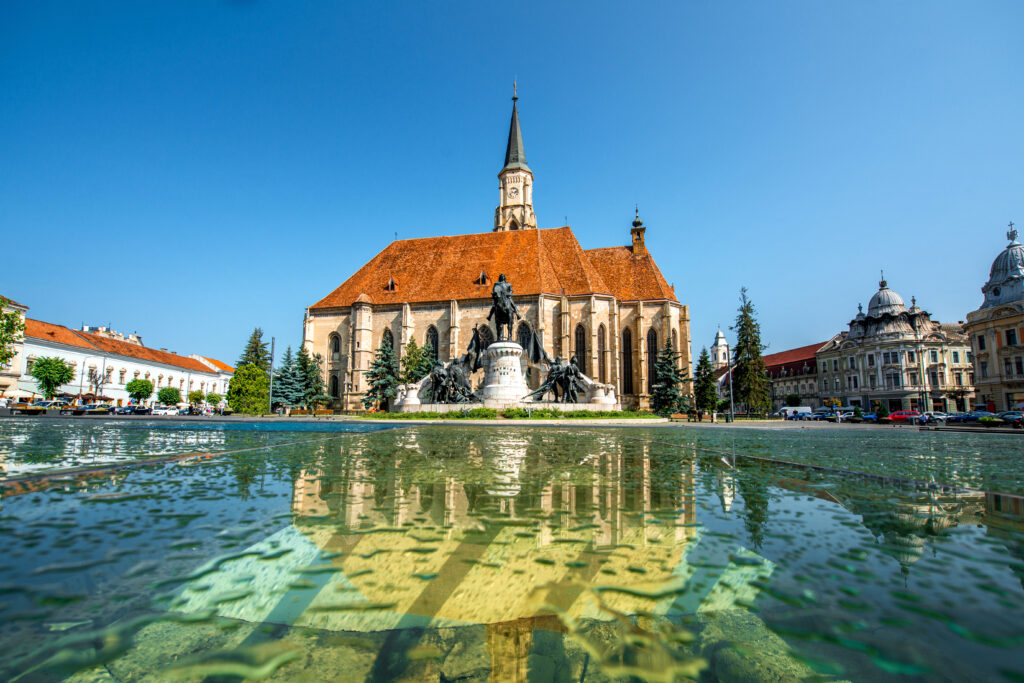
[{"x": 503, "y": 308}]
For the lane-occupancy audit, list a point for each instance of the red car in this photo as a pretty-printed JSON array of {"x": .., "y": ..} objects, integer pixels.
[{"x": 905, "y": 416}]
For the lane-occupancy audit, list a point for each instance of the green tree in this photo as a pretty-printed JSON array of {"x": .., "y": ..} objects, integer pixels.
[
  {"x": 705, "y": 388},
  {"x": 309, "y": 370},
  {"x": 169, "y": 396},
  {"x": 256, "y": 352},
  {"x": 49, "y": 373},
  {"x": 792, "y": 400},
  {"x": 286, "y": 389},
  {"x": 12, "y": 327},
  {"x": 668, "y": 378},
  {"x": 417, "y": 362},
  {"x": 749, "y": 375},
  {"x": 139, "y": 389},
  {"x": 249, "y": 390},
  {"x": 382, "y": 377},
  {"x": 213, "y": 398},
  {"x": 195, "y": 396}
]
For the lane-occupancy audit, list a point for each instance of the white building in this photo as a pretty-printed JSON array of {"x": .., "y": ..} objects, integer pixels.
[{"x": 104, "y": 362}]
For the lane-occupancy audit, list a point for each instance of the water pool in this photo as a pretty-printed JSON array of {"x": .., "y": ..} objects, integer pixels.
[{"x": 504, "y": 553}]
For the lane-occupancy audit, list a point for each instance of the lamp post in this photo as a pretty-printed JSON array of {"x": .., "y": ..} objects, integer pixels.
[
  {"x": 270, "y": 393},
  {"x": 728, "y": 361}
]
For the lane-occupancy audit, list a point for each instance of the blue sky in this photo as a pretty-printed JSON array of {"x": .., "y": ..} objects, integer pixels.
[{"x": 192, "y": 169}]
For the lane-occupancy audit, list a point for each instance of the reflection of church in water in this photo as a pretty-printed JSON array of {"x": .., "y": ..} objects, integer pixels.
[{"x": 610, "y": 307}]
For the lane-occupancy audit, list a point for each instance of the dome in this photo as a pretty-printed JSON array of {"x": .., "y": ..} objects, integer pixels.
[
  {"x": 885, "y": 301},
  {"x": 1006, "y": 276}
]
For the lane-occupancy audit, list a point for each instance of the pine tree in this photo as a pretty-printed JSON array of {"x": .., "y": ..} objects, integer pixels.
[
  {"x": 248, "y": 390},
  {"x": 309, "y": 378},
  {"x": 256, "y": 352},
  {"x": 286, "y": 390},
  {"x": 417, "y": 362},
  {"x": 704, "y": 385},
  {"x": 668, "y": 377},
  {"x": 749, "y": 375},
  {"x": 382, "y": 377}
]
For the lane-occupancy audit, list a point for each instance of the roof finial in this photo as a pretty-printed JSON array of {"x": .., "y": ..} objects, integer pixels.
[
  {"x": 881, "y": 283},
  {"x": 1011, "y": 234},
  {"x": 636, "y": 221},
  {"x": 515, "y": 91},
  {"x": 860, "y": 308},
  {"x": 913, "y": 301}
]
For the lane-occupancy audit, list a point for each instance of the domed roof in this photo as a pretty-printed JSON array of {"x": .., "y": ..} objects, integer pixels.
[
  {"x": 720, "y": 339},
  {"x": 885, "y": 301},
  {"x": 1006, "y": 276}
]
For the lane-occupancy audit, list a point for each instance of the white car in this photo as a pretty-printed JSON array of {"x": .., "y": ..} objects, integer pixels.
[
  {"x": 934, "y": 416},
  {"x": 165, "y": 410}
]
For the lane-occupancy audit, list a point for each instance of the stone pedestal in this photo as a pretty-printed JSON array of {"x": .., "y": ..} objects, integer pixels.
[{"x": 503, "y": 377}]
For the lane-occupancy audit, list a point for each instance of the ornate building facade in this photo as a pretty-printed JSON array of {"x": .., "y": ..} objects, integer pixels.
[
  {"x": 996, "y": 331},
  {"x": 610, "y": 307},
  {"x": 794, "y": 373},
  {"x": 898, "y": 357}
]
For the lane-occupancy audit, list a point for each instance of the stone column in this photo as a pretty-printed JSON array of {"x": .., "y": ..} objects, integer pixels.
[
  {"x": 407, "y": 329},
  {"x": 453, "y": 329},
  {"x": 640, "y": 387},
  {"x": 590, "y": 363},
  {"x": 613, "y": 348},
  {"x": 362, "y": 314},
  {"x": 564, "y": 323}
]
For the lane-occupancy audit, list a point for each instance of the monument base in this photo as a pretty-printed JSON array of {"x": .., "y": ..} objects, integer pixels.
[
  {"x": 504, "y": 385},
  {"x": 502, "y": 405}
]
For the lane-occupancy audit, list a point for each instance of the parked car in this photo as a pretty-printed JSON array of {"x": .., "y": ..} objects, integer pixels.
[
  {"x": 910, "y": 416},
  {"x": 972, "y": 416},
  {"x": 1013, "y": 417},
  {"x": 934, "y": 416},
  {"x": 96, "y": 409},
  {"x": 124, "y": 410},
  {"x": 142, "y": 410},
  {"x": 164, "y": 410}
]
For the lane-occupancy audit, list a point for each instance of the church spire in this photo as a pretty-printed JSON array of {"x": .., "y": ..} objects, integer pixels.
[
  {"x": 515, "y": 153},
  {"x": 515, "y": 191}
]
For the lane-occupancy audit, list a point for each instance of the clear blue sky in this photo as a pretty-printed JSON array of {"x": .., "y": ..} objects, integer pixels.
[{"x": 192, "y": 169}]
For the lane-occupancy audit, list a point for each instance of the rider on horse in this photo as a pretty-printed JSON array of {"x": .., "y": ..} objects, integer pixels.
[{"x": 503, "y": 307}]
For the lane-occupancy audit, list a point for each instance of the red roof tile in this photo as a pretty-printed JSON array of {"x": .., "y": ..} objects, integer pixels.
[
  {"x": 219, "y": 364},
  {"x": 58, "y": 334},
  {"x": 13, "y": 302},
  {"x": 793, "y": 355},
  {"x": 535, "y": 261},
  {"x": 143, "y": 352}
]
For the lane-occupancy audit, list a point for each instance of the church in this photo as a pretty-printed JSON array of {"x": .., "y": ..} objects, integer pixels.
[{"x": 610, "y": 307}]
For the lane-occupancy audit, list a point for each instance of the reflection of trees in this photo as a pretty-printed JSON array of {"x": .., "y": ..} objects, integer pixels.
[{"x": 754, "y": 490}]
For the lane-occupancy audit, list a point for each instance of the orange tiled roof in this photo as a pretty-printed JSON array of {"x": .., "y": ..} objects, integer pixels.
[
  {"x": 37, "y": 329},
  {"x": 630, "y": 278},
  {"x": 219, "y": 365},
  {"x": 793, "y": 355},
  {"x": 142, "y": 352},
  {"x": 535, "y": 261},
  {"x": 13, "y": 302}
]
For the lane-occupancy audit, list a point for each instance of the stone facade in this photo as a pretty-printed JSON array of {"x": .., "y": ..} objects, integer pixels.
[
  {"x": 794, "y": 373},
  {"x": 996, "y": 332},
  {"x": 10, "y": 372},
  {"x": 898, "y": 357}
]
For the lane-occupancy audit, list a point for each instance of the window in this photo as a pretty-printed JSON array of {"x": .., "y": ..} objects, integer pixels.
[
  {"x": 335, "y": 346},
  {"x": 824, "y": 385},
  {"x": 1011, "y": 337},
  {"x": 853, "y": 363},
  {"x": 886, "y": 358},
  {"x": 934, "y": 356},
  {"x": 627, "y": 361},
  {"x": 334, "y": 386},
  {"x": 984, "y": 369},
  {"x": 871, "y": 360},
  {"x": 432, "y": 341},
  {"x": 602, "y": 373},
  {"x": 652, "y": 357},
  {"x": 836, "y": 383},
  {"x": 981, "y": 342},
  {"x": 580, "y": 344},
  {"x": 486, "y": 337},
  {"x": 1018, "y": 363},
  {"x": 835, "y": 364},
  {"x": 959, "y": 379},
  {"x": 1008, "y": 368},
  {"x": 910, "y": 357},
  {"x": 855, "y": 382},
  {"x": 871, "y": 381},
  {"x": 824, "y": 366},
  {"x": 913, "y": 379},
  {"x": 934, "y": 378},
  {"x": 956, "y": 356}
]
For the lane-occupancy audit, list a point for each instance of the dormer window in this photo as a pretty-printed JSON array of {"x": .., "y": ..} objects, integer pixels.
[
  {"x": 391, "y": 286},
  {"x": 482, "y": 278}
]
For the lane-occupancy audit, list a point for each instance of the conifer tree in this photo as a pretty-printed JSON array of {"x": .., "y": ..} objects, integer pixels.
[
  {"x": 749, "y": 375},
  {"x": 286, "y": 381},
  {"x": 417, "y": 362},
  {"x": 668, "y": 377},
  {"x": 249, "y": 390},
  {"x": 704, "y": 389},
  {"x": 309, "y": 378},
  {"x": 256, "y": 352},
  {"x": 382, "y": 377}
]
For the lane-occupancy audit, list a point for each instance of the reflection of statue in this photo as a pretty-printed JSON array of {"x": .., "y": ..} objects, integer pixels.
[
  {"x": 503, "y": 307},
  {"x": 563, "y": 381}
]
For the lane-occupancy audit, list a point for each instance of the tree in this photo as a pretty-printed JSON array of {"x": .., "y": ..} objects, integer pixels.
[
  {"x": 249, "y": 390},
  {"x": 139, "y": 389},
  {"x": 668, "y": 377},
  {"x": 310, "y": 374},
  {"x": 169, "y": 396},
  {"x": 792, "y": 400},
  {"x": 213, "y": 398},
  {"x": 749, "y": 375},
  {"x": 12, "y": 327},
  {"x": 286, "y": 389},
  {"x": 256, "y": 352},
  {"x": 382, "y": 377},
  {"x": 417, "y": 363},
  {"x": 705, "y": 388},
  {"x": 50, "y": 373},
  {"x": 195, "y": 396}
]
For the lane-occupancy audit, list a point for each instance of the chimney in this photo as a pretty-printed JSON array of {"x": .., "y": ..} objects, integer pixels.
[{"x": 639, "y": 248}]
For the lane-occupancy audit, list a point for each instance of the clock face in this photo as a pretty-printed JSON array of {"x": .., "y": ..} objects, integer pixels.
[{"x": 513, "y": 192}]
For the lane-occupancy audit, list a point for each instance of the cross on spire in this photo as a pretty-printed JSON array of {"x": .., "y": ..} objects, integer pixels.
[{"x": 1011, "y": 234}]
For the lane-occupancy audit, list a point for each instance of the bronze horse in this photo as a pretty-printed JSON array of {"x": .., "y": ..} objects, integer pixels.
[{"x": 503, "y": 308}]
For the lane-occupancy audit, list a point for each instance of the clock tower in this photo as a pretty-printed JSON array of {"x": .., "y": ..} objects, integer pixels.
[{"x": 515, "y": 183}]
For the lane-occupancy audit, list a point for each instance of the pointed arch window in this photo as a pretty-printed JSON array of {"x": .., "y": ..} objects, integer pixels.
[
  {"x": 602, "y": 364},
  {"x": 486, "y": 337},
  {"x": 581, "y": 346},
  {"x": 335, "y": 346},
  {"x": 523, "y": 335},
  {"x": 652, "y": 357},
  {"x": 432, "y": 342},
  {"x": 627, "y": 361},
  {"x": 334, "y": 386}
]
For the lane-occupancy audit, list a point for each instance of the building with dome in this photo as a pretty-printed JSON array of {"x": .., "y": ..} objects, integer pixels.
[
  {"x": 897, "y": 357},
  {"x": 996, "y": 330},
  {"x": 610, "y": 307}
]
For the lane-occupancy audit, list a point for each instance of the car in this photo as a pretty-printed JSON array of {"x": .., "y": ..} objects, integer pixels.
[
  {"x": 1013, "y": 417},
  {"x": 972, "y": 416},
  {"x": 95, "y": 409},
  {"x": 164, "y": 410},
  {"x": 184, "y": 411},
  {"x": 124, "y": 410},
  {"x": 142, "y": 410},
  {"x": 910, "y": 416}
]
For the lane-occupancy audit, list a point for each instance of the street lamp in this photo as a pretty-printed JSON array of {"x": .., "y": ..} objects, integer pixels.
[{"x": 728, "y": 362}]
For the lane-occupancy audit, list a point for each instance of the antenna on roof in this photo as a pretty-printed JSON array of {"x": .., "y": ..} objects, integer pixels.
[{"x": 396, "y": 235}]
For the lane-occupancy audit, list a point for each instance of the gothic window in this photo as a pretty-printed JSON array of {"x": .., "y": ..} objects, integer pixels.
[
  {"x": 388, "y": 339},
  {"x": 486, "y": 337},
  {"x": 652, "y": 356},
  {"x": 334, "y": 386},
  {"x": 523, "y": 335},
  {"x": 432, "y": 342},
  {"x": 581, "y": 346},
  {"x": 627, "y": 361},
  {"x": 602, "y": 372},
  {"x": 335, "y": 346}
]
